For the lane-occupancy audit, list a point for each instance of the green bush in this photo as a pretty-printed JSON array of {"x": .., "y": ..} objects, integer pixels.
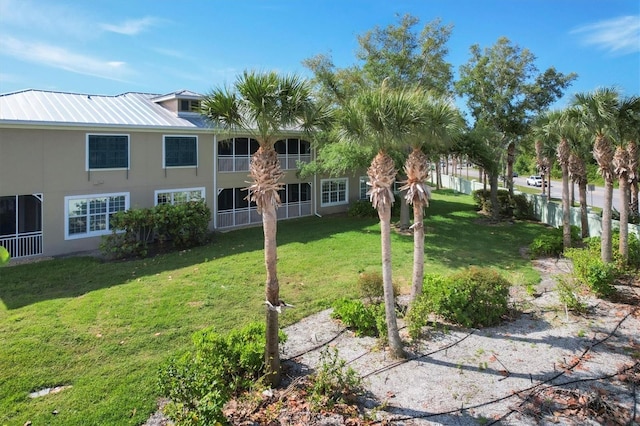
[
  {"x": 362, "y": 208},
  {"x": 357, "y": 316},
  {"x": 551, "y": 243},
  {"x": 517, "y": 206},
  {"x": 590, "y": 270},
  {"x": 522, "y": 207},
  {"x": 183, "y": 225},
  {"x": 568, "y": 292},
  {"x": 474, "y": 297},
  {"x": 334, "y": 382},
  {"x": 199, "y": 383},
  {"x": 371, "y": 287}
]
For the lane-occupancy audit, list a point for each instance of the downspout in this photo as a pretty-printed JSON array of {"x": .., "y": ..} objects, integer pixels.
[
  {"x": 214, "y": 201},
  {"x": 315, "y": 189}
]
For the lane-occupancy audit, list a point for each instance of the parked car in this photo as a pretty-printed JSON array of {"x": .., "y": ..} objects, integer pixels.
[
  {"x": 515, "y": 174},
  {"x": 534, "y": 181}
]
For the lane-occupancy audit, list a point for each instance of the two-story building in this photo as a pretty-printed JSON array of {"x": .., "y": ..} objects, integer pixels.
[{"x": 69, "y": 161}]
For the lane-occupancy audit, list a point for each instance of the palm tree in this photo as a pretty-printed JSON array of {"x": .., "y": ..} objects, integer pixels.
[
  {"x": 264, "y": 105},
  {"x": 386, "y": 119},
  {"x": 634, "y": 173},
  {"x": 560, "y": 127},
  {"x": 580, "y": 153},
  {"x": 597, "y": 115},
  {"x": 628, "y": 128},
  {"x": 442, "y": 122}
]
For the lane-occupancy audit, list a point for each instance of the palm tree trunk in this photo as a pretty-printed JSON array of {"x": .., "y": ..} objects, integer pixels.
[
  {"x": 584, "y": 212},
  {"x": 418, "y": 251},
  {"x": 566, "y": 209},
  {"x": 382, "y": 174},
  {"x": 634, "y": 208},
  {"x": 393, "y": 335},
  {"x": 623, "y": 246},
  {"x": 272, "y": 353},
  {"x": 605, "y": 241},
  {"x": 266, "y": 173},
  {"x": 564, "y": 153},
  {"x": 621, "y": 162}
]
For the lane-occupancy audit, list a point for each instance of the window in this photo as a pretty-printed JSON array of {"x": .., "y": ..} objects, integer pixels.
[
  {"x": 107, "y": 152},
  {"x": 179, "y": 196},
  {"x": 180, "y": 151},
  {"x": 187, "y": 105},
  {"x": 233, "y": 198},
  {"x": 334, "y": 192},
  {"x": 90, "y": 215},
  {"x": 364, "y": 187}
]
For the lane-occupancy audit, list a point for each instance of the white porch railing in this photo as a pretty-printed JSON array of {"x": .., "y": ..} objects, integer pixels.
[
  {"x": 248, "y": 216},
  {"x": 23, "y": 245},
  {"x": 230, "y": 163}
]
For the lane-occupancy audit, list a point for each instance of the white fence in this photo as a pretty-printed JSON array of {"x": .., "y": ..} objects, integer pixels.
[
  {"x": 545, "y": 211},
  {"x": 23, "y": 245}
]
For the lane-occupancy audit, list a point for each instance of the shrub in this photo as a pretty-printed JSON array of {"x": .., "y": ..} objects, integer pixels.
[
  {"x": 357, "y": 316},
  {"x": 474, "y": 297},
  {"x": 568, "y": 291},
  {"x": 183, "y": 225},
  {"x": 517, "y": 206},
  {"x": 522, "y": 207},
  {"x": 199, "y": 383},
  {"x": 589, "y": 269},
  {"x": 371, "y": 287},
  {"x": 551, "y": 243},
  {"x": 362, "y": 208},
  {"x": 334, "y": 382}
]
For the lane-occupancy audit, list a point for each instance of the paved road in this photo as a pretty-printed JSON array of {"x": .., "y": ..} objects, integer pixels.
[{"x": 595, "y": 198}]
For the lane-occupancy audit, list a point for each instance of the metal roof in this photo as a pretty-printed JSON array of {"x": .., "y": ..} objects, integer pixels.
[{"x": 128, "y": 109}]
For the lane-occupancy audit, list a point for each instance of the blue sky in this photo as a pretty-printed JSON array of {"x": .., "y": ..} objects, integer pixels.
[{"x": 160, "y": 46}]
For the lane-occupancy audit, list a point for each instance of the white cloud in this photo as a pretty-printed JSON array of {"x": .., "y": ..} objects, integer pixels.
[
  {"x": 59, "y": 57},
  {"x": 131, "y": 26},
  {"x": 618, "y": 35}
]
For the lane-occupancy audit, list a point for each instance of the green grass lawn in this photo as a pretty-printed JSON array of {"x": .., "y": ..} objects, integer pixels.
[{"x": 106, "y": 328}]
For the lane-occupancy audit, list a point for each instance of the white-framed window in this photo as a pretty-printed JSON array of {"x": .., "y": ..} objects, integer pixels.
[
  {"x": 334, "y": 192},
  {"x": 90, "y": 215},
  {"x": 107, "y": 152},
  {"x": 178, "y": 196},
  {"x": 363, "y": 187},
  {"x": 179, "y": 151}
]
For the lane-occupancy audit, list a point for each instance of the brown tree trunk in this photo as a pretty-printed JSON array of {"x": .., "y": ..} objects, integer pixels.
[
  {"x": 566, "y": 209},
  {"x": 584, "y": 213},
  {"x": 606, "y": 244},
  {"x": 382, "y": 174},
  {"x": 511, "y": 155},
  {"x": 272, "y": 353},
  {"x": 393, "y": 335},
  {"x": 623, "y": 246},
  {"x": 495, "y": 205},
  {"x": 418, "y": 251}
]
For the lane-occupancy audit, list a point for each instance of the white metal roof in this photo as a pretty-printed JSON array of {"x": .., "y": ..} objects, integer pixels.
[{"x": 57, "y": 108}]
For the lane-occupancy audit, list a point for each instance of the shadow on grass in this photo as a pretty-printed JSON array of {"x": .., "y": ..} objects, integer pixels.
[
  {"x": 453, "y": 239},
  {"x": 26, "y": 284}
]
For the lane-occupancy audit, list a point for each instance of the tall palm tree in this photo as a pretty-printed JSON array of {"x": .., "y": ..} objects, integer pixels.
[
  {"x": 560, "y": 127},
  {"x": 264, "y": 105},
  {"x": 597, "y": 114},
  {"x": 580, "y": 154},
  {"x": 634, "y": 174},
  {"x": 441, "y": 123},
  {"x": 627, "y": 121},
  {"x": 386, "y": 119}
]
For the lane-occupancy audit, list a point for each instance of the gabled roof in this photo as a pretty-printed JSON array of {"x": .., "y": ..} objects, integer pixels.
[{"x": 37, "y": 107}]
